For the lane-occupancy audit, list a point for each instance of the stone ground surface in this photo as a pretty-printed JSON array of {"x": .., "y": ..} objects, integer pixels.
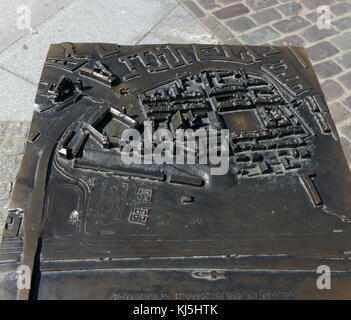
[
  {"x": 277, "y": 22},
  {"x": 284, "y": 22}
]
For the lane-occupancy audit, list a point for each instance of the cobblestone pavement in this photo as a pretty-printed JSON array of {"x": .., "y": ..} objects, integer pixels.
[
  {"x": 12, "y": 143},
  {"x": 277, "y": 22},
  {"x": 282, "y": 22}
]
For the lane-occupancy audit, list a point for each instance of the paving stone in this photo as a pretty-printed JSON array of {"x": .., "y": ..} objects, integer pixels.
[
  {"x": 9, "y": 166},
  {"x": 258, "y": 5},
  {"x": 321, "y": 50},
  {"x": 260, "y": 36},
  {"x": 290, "y": 8},
  {"x": 312, "y": 16},
  {"x": 18, "y": 106},
  {"x": 5, "y": 190},
  {"x": 74, "y": 23},
  {"x": 338, "y": 112},
  {"x": 179, "y": 26},
  {"x": 292, "y": 24},
  {"x": 314, "y": 34},
  {"x": 345, "y": 60},
  {"x": 293, "y": 40},
  {"x": 40, "y": 10},
  {"x": 12, "y": 146},
  {"x": 209, "y": 4},
  {"x": 327, "y": 69},
  {"x": 17, "y": 129},
  {"x": 225, "y": 2},
  {"x": 346, "y": 130},
  {"x": 314, "y": 4},
  {"x": 231, "y": 11},
  {"x": 345, "y": 80},
  {"x": 347, "y": 103},
  {"x": 3, "y": 126},
  {"x": 220, "y": 31},
  {"x": 4, "y": 207},
  {"x": 332, "y": 90},
  {"x": 241, "y": 24},
  {"x": 346, "y": 146},
  {"x": 266, "y": 16},
  {"x": 340, "y": 8},
  {"x": 233, "y": 41},
  {"x": 342, "y": 41},
  {"x": 194, "y": 8},
  {"x": 343, "y": 23}
]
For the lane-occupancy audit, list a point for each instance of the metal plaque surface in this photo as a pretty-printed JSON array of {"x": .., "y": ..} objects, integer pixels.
[{"x": 88, "y": 225}]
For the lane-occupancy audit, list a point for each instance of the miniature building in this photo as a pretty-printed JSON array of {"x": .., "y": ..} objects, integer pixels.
[{"x": 77, "y": 207}]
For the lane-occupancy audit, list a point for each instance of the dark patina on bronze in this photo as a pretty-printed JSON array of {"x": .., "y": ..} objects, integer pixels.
[{"x": 90, "y": 227}]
